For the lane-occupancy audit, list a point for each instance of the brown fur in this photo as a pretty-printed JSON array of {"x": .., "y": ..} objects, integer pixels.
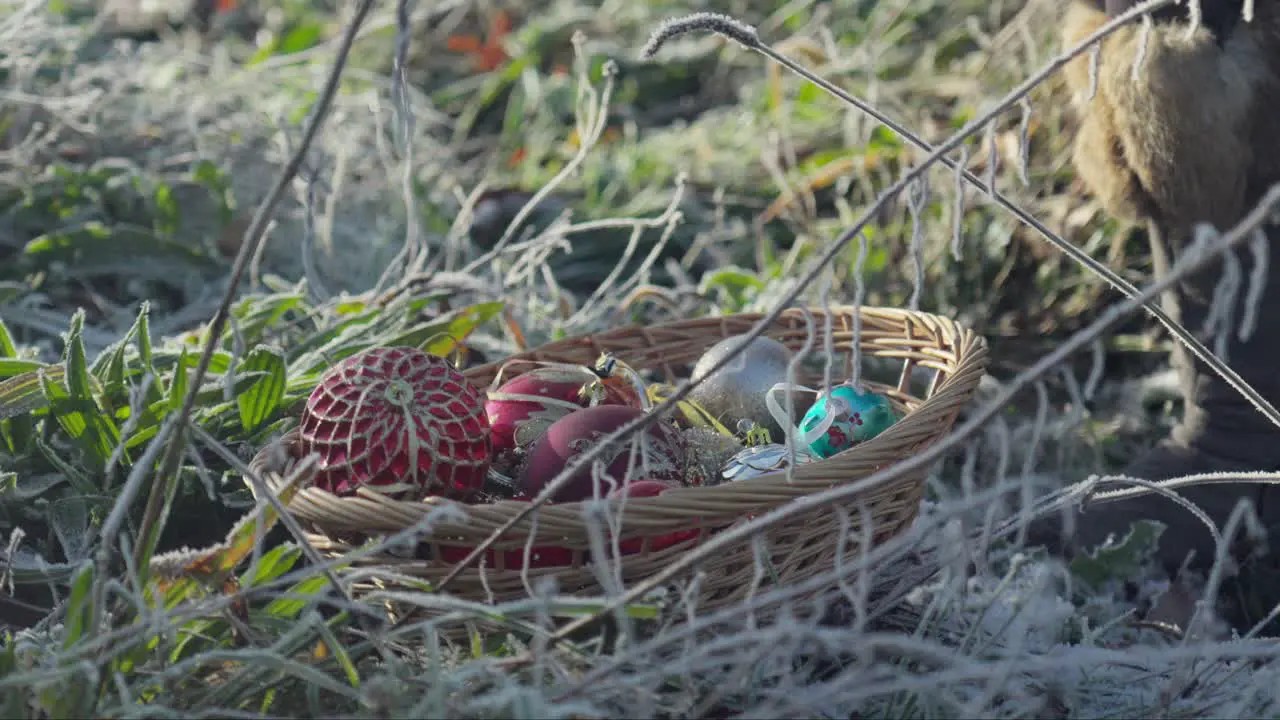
[{"x": 1190, "y": 136}]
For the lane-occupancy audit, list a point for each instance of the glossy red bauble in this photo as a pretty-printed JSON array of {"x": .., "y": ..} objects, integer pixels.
[
  {"x": 642, "y": 488},
  {"x": 650, "y": 488},
  {"x": 522, "y": 408},
  {"x": 658, "y": 453},
  {"x": 397, "y": 421},
  {"x": 539, "y": 557}
]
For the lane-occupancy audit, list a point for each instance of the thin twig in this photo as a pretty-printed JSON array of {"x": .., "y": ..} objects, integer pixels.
[{"x": 253, "y": 237}]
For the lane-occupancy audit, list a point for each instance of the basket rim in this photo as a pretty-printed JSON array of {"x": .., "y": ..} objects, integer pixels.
[{"x": 681, "y": 507}]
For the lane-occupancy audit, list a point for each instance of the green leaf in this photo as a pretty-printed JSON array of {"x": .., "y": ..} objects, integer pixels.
[
  {"x": 79, "y": 606},
  {"x": 257, "y": 314},
  {"x": 80, "y": 415},
  {"x": 178, "y": 385},
  {"x": 271, "y": 565},
  {"x": 93, "y": 249},
  {"x": 21, "y": 489},
  {"x": 1120, "y": 560},
  {"x": 733, "y": 286},
  {"x": 9, "y": 367},
  {"x": 209, "y": 401},
  {"x": 259, "y": 402},
  {"x": 8, "y": 349},
  {"x": 109, "y": 365},
  {"x": 304, "y": 354},
  {"x": 307, "y": 35},
  {"x": 293, "y": 601},
  {"x": 56, "y": 392},
  {"x": 17, "y": 701},
  {"x": 198, "y": 629},
  {"x": 331, "y": 643},
  {"x": 167, "y": 211},
  {"x": 167, "y": 359},
  {"x": 638, "y": 611},
  {"x": 214, "y": 392},
  {"x": 443, "y": 335},
  {"x": 83, "y": 484},
  {"x": 144, "y": 336}
]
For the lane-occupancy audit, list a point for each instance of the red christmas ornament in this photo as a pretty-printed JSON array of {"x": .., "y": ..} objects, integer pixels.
[
  {"x": 539, "y": 557},
  {"x": 659, "y": 453},
  {"x": 650, "y": 488},
  {"x": 522, "y": 408},
  {"x": 400, "y": 422}
]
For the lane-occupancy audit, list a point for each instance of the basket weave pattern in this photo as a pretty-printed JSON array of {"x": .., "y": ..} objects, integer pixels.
[{"x": 794, "y": 552}]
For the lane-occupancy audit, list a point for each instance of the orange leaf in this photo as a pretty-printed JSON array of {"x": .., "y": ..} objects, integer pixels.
[
  {"x": 491, "y": 58},
  {"x": 499, "y": 25},
  {"x": 464, "y": 43}
]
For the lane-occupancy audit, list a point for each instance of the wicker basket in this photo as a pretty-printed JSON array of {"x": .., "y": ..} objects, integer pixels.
[{"x": 920, "y": 341}]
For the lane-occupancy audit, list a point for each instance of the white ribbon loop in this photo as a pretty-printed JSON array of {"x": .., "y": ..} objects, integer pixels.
[{"x": 779, "y": 415}]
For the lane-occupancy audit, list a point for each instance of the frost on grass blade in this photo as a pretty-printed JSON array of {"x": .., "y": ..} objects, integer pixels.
[{"x": 715, "y": 22}]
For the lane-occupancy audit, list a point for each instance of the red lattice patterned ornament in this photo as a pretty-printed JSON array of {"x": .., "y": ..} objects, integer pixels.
[{"x": 400, "y": 422}]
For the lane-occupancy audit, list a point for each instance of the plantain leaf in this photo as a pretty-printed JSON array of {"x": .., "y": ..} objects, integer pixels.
[
  {"x": 8, "y": 349},
  {"x": 144, "y": 337},
  {"x": 293, "y": 601},
  {"x": 1120, "y": 560},
  {"x": 178, "y": 384},
  {"x": 146, "y": 355},
  {"x": 330, "y": 641},
  {"x": 10, "y": 367},
  {"x": 271, "y": 565},
  {"x": 444, "y": 335},
  {"x": 21, "y": 489},
  {"x": 79, "y": 606},
  {"x": 74, "y": 475},
  {"x": 258, "y": 403},
  {"x": 256, "y": 315},
  {"x": 23, "y": 394},
  {"x": 85, "y": 420},
  {"x": 93, "y": 249},
  {"x": 108, "y": 367},
  {"x": 213, "y": 392}
]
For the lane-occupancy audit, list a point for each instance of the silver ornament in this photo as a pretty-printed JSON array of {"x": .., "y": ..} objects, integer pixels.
[
  {"x": 762, "y": 460},
  {"x": 737, "y": 390}
]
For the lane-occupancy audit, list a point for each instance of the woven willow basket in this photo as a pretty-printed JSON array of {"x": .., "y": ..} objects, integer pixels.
[{"x": 795, "y": 552}]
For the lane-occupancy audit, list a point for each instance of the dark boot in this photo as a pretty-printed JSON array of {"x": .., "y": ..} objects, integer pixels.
[{"x": 1219, "y": 430}]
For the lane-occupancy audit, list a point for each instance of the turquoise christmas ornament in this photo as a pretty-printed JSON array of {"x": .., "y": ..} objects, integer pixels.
[{"x": 844, "y": 417}]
